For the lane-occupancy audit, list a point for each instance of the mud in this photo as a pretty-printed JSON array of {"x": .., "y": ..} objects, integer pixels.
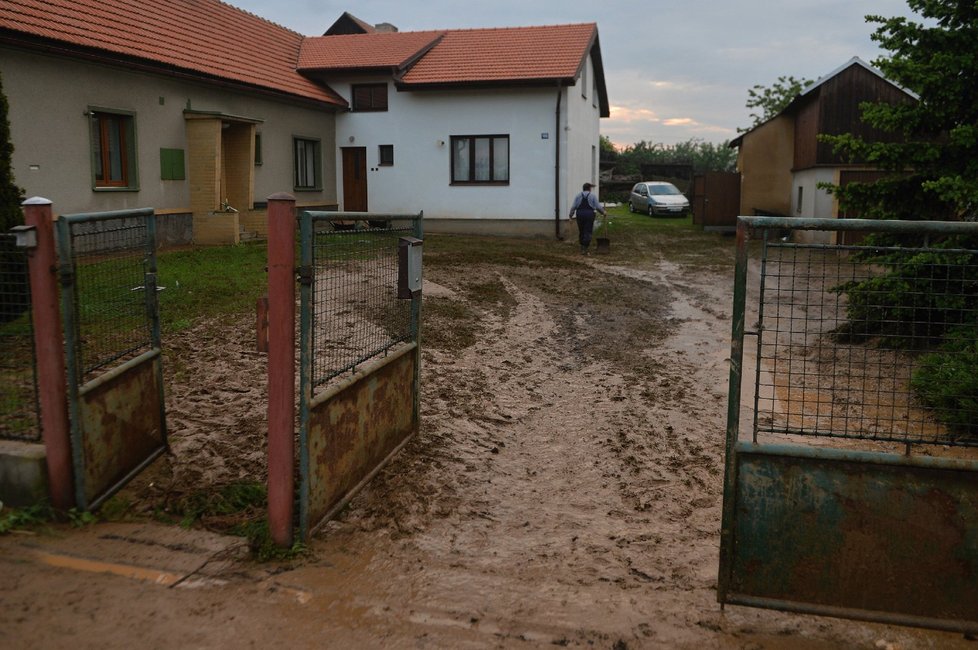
[{"x": 565, "y": 488}]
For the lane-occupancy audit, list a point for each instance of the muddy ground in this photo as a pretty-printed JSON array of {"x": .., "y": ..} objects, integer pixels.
[{"x": 565, "y": 488}]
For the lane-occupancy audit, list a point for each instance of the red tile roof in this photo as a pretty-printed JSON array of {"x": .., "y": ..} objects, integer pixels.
[
  {"x": 200, "y": 36},
  {"x": 376, "y": 51},
  {"x": 517, "y": 54},
  {"x": 212, "y": 38}
]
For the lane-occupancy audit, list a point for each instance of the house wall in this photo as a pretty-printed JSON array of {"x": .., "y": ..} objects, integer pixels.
[
  {"x": 815, "y": 203},
  {"x": 582, "y": 133},
  {"x": 764, "y": 161},
  {"x": 420, "y": 125},
  {"x": 49, "y": 96}
]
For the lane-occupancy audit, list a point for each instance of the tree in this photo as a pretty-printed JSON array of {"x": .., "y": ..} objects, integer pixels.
[
  {"x": 931, "y": 173},
  {"x": 772, "y": 100},
  {"x": 11, "y": 196},
  {"x": 702, "y": 156},
  {"x": 13, "y": 270},
  {"x": 934, "y": 165}
]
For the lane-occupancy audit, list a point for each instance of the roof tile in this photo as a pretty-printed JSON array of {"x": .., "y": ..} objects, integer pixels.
[
  {"x": 364, "y": 51},
  {"x": 203, "y": 36},
  {"x": 504, "y": 54}
]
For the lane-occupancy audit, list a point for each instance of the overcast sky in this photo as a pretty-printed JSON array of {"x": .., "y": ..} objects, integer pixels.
[{"x": 674, "y": 70}]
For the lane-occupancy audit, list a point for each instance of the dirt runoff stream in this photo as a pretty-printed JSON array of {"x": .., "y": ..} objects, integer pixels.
[{"x": 565, "y": 488}]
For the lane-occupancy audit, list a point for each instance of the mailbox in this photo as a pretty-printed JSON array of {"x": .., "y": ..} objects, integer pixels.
[
  {"x": 409, "y": 267},
  {"x": 25, "y": 236}
]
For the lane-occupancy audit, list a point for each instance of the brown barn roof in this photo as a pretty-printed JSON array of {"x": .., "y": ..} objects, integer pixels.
[{"x": 207, "y": 37}]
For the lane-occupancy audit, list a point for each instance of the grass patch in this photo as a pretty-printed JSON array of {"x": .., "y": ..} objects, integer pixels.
[
  {"x": 40, "y": 515},
  {"x": 209, "y": 282},
  {"x": 639, "y": 237},
  {"x": 234, "y": 509}
]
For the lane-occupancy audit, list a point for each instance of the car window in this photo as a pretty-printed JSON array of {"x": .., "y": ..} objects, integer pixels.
[{"x": 664, "y": 189}]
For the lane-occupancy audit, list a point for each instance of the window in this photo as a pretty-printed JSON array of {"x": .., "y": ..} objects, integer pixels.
[
  {"x": 308, "y": 164},
  {"x": 370, "y": 97},
  {"x": 801, "y": 195},
  {"x": 584, "y": 81},
  {"x": 386, "y": 155},
  {"x": 113, "y": 150},
  {"x": 257, "y": 149},
  {"x": 480, "y": 159}
]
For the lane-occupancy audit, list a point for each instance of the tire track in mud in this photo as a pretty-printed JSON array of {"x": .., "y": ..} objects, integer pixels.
[{"x": 558, "y": 480}]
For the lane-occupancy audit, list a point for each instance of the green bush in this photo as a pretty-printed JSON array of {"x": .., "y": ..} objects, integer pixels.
[
  {"x": 946, "y": 380},
  {"x": 921, "y": 297}
]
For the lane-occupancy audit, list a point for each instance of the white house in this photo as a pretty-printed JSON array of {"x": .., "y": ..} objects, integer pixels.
[{"x": 191, "y": 106}]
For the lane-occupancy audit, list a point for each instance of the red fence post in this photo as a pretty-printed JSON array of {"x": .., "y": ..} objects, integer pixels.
[
  {"x": 49, "y": 347},
  {"x": 261, "y": 324},
  {"x": 281, "y": 366}
]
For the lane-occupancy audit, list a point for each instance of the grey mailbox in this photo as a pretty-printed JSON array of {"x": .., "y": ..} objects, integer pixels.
[{"x": 409, "y": 267}]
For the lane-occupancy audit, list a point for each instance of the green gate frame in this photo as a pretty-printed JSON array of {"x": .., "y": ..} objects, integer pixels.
[
  {"x": 118, "y": 419},
  {"x": 864, "y": 535},
  {"x": 350, "y": 430}
]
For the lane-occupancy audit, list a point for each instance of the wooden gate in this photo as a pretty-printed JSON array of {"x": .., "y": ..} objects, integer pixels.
[{"x": 716, "y": 200}]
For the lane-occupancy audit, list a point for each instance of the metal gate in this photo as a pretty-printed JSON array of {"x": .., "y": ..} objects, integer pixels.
[
  {"x": 851, "y": 484},
  {"x": 107, "y": 267},
  {"x": 360, "y": 352},
  {"x": 18, "y": 366}
]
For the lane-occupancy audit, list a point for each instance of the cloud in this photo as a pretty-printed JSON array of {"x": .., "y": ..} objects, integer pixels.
[
  {"x": 680, "y": 121},
  {"x": 629, "y": 115}
]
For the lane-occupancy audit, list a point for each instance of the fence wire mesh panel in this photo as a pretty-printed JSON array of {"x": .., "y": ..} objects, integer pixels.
[
  {"x": 108, "y": 258},
  {"x": 353, "y": 276},
  {"x": 107, "y": 266},
  {"x": 19, "y": 414},
  {"x": 853, "y": 490},
  {"x": 872, "y": 341}
]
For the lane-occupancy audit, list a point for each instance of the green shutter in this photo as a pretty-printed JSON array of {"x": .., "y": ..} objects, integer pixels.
[{"x": 171, "y": 165}]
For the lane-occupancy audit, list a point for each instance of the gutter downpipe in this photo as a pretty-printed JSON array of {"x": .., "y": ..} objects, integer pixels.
[{"x": 557, "y": 165}]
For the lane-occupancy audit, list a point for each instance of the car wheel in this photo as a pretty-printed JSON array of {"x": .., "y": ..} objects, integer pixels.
[
  {"x": 631, "y": 207},
  {"x": 651, "y": 211}
]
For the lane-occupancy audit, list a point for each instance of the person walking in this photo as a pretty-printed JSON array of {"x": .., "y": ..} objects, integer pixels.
[{"x": 584, "y": 207}]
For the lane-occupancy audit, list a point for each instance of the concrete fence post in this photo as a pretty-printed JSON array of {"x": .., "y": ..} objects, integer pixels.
[
  {"x": 281, "y": 367},
  {"x": 49, "y": 347}
]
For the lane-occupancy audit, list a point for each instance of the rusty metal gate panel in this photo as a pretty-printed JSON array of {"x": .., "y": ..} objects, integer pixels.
[
  {"x": 848, "y": 490},
  {"x": 359, "y": 354},
  {"x": 107, "y": 267},
  {"x": 356, "y": 426}
]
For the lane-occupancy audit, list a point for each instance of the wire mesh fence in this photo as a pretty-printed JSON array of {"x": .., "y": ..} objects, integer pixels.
[
  {"x": 353, "y": 278},
  {"x": 874, "y": 341},
  {"x": 19, "y": 412},
  {"x": 108, "y": 259}
]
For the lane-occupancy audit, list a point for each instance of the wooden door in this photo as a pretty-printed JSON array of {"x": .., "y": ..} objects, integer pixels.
[
  {"x": 716, "y": 200},
  {"x": 355, "y": 179}
]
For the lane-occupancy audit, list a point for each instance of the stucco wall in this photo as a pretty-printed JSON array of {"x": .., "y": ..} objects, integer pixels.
[
  {"x": 582, "y": 135},
  {"x": 815, "y": 203},
  {"x": 765, "y": 160},
  {"x": 420, "y": 124},
  {"x": 49, "y": 96}
]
